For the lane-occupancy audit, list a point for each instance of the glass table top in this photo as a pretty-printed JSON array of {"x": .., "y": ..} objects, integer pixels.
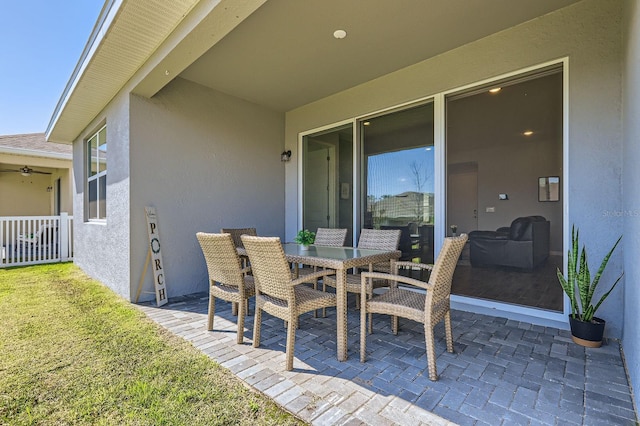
[{"x": 336, "y": 253}]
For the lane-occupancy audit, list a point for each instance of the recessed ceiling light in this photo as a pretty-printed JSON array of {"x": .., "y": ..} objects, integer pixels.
[
  {"x": 495, "y": 90},
  {"x": 339, "y": 34},
  {"x": 527, "y": 132},
  {"x": 366, "y": 123}
]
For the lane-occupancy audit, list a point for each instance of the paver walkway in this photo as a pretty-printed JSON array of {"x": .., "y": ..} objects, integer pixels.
[{"x": 502, "y": 372}]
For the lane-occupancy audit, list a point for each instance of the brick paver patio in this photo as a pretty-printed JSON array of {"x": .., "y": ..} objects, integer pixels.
[{"x": 502, "y": 372}]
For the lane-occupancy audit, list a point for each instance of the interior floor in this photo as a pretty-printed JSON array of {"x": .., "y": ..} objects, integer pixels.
[{"x": 538, "y": 288}]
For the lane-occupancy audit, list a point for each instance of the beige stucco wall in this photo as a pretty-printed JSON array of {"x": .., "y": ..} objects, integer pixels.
[
  {"x": 589, "y": 34},
  {"x": 205, "y": 160},
  {"x": 28, "y": 195}
]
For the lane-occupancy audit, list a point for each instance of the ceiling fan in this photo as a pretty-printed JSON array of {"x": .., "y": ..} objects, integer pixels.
[{"x": 24, "y": 171}]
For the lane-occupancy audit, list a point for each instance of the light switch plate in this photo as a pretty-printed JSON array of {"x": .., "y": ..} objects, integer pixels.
[{"x": 491, "y": 210}]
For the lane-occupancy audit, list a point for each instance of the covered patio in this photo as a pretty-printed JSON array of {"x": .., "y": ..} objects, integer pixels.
[
  {"x": 198, "y": 99},
  {"x": 502, "y": 371}
]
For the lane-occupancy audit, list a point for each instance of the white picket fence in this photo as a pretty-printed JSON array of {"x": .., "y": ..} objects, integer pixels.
[{"x": 30, "y": 240}]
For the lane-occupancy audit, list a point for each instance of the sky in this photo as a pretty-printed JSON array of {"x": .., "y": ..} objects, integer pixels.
[
  {"x": 40, "y": 44},
  {"x": 395, "y": 172}
]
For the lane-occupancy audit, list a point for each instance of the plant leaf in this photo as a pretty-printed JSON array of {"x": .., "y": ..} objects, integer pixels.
[
  {"x": 584, "y": 281},
  {"x": 579, "y": 276},
  {"x": 605, "y": 260},
  {"x": 569, "y": 284},
  {"x": 604, "y": 296},
  {"x": 588, "y": 314}
]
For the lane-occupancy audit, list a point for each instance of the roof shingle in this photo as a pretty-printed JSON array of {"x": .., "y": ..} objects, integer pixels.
[{"x": 34, "y": 142}]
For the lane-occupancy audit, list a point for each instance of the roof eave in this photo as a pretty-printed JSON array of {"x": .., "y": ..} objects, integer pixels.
[
  {"x": 177, "y": 33},
  {"x": 35, "y": 153},
  {"x": 104, "y": 21}
]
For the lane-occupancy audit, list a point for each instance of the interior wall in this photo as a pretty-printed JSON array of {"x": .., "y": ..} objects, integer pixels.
[
  {"x": 631, "y": 184},
  {"x": 321, "y": 181},
  {"x": 101, "y": 249},
  {"x": 589, "y": 34},
  {"x": 204, "y": 160},
  {"x": 514, "y": 170}
]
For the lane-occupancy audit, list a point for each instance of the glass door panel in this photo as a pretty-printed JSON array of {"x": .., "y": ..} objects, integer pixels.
[
  {"x": 327, "y": 180},
  {"x": 501, "y": 141},
  {"x": 398, "y": 169}
]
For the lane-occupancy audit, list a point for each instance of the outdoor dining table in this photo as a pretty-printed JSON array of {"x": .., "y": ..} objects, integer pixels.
[{"x": 340, "y": 259}]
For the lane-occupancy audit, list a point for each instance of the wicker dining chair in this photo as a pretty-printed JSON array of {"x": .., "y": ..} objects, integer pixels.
[
  {"x": 331, "y": 237},
  {"x": 428, "y": 309},
  {"x": 236, "y": 233},
  {"x": 373, "y": 239},
  {"x": 228, "y": 280},
  {"x": 325, "y": 237},
  {"x": 277, "y": 293}
]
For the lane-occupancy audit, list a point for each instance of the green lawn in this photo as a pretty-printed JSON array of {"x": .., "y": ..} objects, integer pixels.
[{"x": 72, "y": 352}]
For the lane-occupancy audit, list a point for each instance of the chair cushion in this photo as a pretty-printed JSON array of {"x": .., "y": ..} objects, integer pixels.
[{"x": 223, "y": 290}]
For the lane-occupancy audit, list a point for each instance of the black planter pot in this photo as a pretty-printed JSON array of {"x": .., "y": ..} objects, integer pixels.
[{"x": 587, "y": 334}]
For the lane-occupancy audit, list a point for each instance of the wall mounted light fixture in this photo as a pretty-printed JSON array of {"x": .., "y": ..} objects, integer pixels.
[{"x": 285, "y": 156}]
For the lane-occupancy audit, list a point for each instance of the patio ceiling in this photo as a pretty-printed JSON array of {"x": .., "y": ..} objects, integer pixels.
[
  {"x": 276, "y": 53},
  {"x": 284, "y": 55}
]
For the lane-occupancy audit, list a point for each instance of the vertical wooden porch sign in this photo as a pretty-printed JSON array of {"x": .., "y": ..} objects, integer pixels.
[{"x": 155, "y": 255}]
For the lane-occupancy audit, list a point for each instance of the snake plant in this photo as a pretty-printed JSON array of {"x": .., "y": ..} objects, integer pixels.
[{"x": 578, "y": 284}]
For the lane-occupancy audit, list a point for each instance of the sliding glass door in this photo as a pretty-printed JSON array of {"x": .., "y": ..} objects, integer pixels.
[
  {"x": 504, "y": 162},
  {"x": 398, "y": 177},
  {"x": 327, "y": 180},
  {"x": 498, "y": 152}
]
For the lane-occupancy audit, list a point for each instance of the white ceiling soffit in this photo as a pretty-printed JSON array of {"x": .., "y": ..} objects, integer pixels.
[
  {"x": 126, "y": 34},
  {"x": 284, "y": 55}
]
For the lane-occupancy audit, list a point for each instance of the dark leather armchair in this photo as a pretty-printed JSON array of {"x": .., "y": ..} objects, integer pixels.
[{"x": 524, "y": 244}]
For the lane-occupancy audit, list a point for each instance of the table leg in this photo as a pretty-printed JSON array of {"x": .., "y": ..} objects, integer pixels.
[{"x": 341, "y": 313}]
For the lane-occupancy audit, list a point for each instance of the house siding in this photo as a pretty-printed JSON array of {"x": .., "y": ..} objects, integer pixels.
[
  {"x": 631, "y": 184},
  {"x": 589, "y": 34},
  {"x": 205, "y": 160},
  {"x": 102, "y": 249}
]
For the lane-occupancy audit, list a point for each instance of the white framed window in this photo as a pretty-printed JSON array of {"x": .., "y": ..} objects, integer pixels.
[{"x": 96, "y": 167}]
